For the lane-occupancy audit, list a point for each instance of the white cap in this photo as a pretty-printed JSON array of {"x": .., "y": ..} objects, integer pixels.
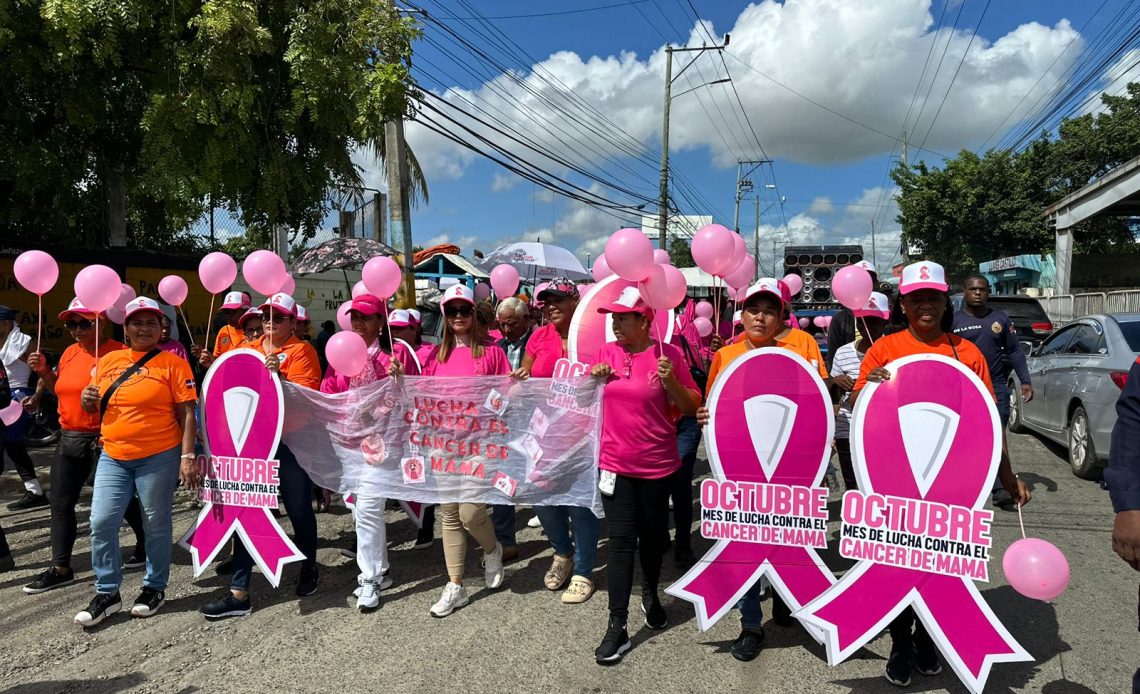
[
  {"x": 281, "y": 303},
  {"x": 302, "y": 314},
  {"x": 399, "y": 318},
  {"x": 877, "y": 306},
  {"x": 923, "y": 275},
  {"x": 629, "y": 301},
  {"x": 236, "y": 300},
  {"x": 736, "y": 317},
  {"x": 415, "y": 315},
  {"x": 866, "y": 265},
  {"x": 76, "y": 306},
  {"x": 770, "y": 285},
  {"x": 140, "y": 304},
  {"x": 458, "y": 292}
]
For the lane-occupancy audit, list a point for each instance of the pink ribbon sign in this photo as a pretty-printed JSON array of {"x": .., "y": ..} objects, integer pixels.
[
  {"x": 925, "y": 446},
  {"x": 242, "y": 411},
  {"x": 769, "y": 440},
  {"x": 589, "y": 330}
]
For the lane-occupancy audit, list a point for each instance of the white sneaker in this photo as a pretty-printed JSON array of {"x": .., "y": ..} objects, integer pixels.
[
  {"x": 385, "y": 583},
  {"x": 368, "y": 596},
  {"x": 493, "y": 566},
  {"x": 454, "y": 596},
  {"x": 534, "y": 522}
]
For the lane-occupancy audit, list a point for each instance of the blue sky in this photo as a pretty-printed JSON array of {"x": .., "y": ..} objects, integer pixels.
[{"x": 861, "y": 59}]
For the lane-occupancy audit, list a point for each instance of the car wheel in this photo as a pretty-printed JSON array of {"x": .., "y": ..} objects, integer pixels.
[
  {"x": 1082, "y": 455},
  {"x": 1015, "y": 425}
]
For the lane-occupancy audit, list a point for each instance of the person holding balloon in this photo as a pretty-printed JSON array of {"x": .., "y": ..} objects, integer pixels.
[
  {"x": 923, "y": 306},
  {"x": 295, "y": 361},
  {"x": 7, "y": 563},
  {"x": 252, "y": 327},
  {"x": 15, "y": 347},
  {"x": 230, "y": 335},
  {"x": 465, "y": 350},
  {"x": 369, "y": 355}
]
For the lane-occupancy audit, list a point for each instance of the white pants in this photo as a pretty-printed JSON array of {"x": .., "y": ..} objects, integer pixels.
[{"x": 371, "y": 537}]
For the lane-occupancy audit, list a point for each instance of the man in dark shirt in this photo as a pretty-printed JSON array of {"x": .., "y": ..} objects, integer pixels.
[
  {"x": 1123, "y": 479},
  {"x": 328, "y": 329}
]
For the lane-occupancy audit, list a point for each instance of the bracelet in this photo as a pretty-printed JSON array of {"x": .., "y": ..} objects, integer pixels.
[{"x": 188, "y": 456}]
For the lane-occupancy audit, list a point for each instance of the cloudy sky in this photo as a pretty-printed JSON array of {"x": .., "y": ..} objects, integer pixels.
[{"x": 823, "y": 88}]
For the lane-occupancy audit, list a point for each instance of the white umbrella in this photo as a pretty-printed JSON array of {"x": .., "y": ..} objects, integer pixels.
[{"x": 537, "y": 260}]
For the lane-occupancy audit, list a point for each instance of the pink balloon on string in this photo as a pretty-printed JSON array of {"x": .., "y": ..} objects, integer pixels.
[
  {"x": 712, "y": 249},
  {"x": 358, "y": 289},
  {"x": 662, "y": 290},
  {"x": 264, "y": 271},
  {"x": 804, "y": 322},
  {"x": 1036, "y": 568},
  {"x": 852, "y": 286},
  {"x": 537, "y": 291},
  {"x": 289, "y": 285},
  {"x": 660, "y": 257},
  {"x": 703, "y": 325},
  {"x": 739, "y": 252},
  {"x": 504, "y": 280},
  {"x": 382, "y": 276},
  {"x": 36, "y": 271},
  {"x": 704, "y": 309},
  {"x": 217, "y": 272},
  {"x": 125, "y": 295},
  {"x": 743, "y": 274},
  {"x": 601, "y": 268},
  {"x": 795, "y": 283},
  {"x": 97, "y": 287},
  {"x": 172, "y": 289},
  {"x": 819, "y": 322},
  {"x": 347, "y": 353},
  {"x": 482, "y": 291},
  {"x": 630, "y": 254},
  {"x": 342, "y": 317}
]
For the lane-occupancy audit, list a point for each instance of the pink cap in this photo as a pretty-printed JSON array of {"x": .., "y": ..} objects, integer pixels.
[
  {"x": 458, "y": 292},
  {"x": 77, "y": 308},
  {"x": 280, "y": 303},
  {"x": 923, "y": 275},
  {"x": 236, "y": 300},
  {"x": 629, "y": 301},
  {"x": 302, "y": 314},
  {"x": 399, "y": 318},
  {"x": 415, "y": 316},
  {"x": 141, "y": 304},
  {"x": 877, "y": 306},
  {"x": 251, "y": 313},
  {"x": 773, "y": 286},
  {"x": 368, "y": 305}
]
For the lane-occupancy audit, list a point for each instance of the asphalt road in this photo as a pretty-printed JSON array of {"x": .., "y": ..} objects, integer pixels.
[{"x": 521, "y": 638}]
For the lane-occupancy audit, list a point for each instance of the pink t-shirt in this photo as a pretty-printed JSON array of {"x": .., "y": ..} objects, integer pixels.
[
  {"x": 545, "y": 347},
  {"x": 424, "y": 351},
  {"x": 174, "y": 347},
  {"x": 334, "y": 382},
  {"x": 461, "y": 363},
  {"x": 639, "y": 431}
]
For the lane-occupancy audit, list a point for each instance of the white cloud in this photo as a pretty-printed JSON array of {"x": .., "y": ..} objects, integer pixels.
[
  {"x": 466, "y": 243},
  {"x": 503, "y": 182},
  {"x": 821, "y": 206},
  {"x": 544, "y": 195}
]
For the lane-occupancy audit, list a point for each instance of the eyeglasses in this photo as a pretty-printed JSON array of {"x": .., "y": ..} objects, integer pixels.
[
  {"x": 79, "y": 324},
  {"x": 456, "y": 311},
  {"x": 280, "y": 317}
]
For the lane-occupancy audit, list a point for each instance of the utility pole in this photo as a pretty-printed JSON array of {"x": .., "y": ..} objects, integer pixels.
[
  {"x": 874, "y": 253},
  {"x": 399, "y": 200},
  {"x": 744, "y": 185},
  {"x": 756, "y": 239}
]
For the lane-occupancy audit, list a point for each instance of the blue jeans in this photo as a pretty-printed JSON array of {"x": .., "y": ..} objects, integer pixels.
[
  {"x": 154, "y": 479},
  {"x": 751, "y": 615},
  {"x": 503, "y": 518},
  {"x": 1001, "y": 395},
  {"x": 556, "y": 522},
  {"x": 297, "y": 493}
]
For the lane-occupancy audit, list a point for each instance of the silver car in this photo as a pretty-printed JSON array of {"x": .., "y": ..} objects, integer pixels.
[{"x": 1078, "y": 373}]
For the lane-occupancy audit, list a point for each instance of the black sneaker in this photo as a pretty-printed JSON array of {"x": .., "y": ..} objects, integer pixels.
[
  {"x": 425, "y": 537},
  {"x": 225, "y": 567},
  {"x": 229, "y": 606},
  {"x": 137, "y": 560},
  {"x": 614, "y": 644},
  {"x": 781, "y": 613},
  {"x": 102, "y": 606},
  {"x": 926, "y": 656},
  {"x": 747, "y": 646},
  {"x": 655, "y": 617},
  {"x": 307, "y": 583},
  {"x": 898, "y": 666},
  {"x": 7, "y": 563},
  {"x": 48, "y": 580},
  {"x": 28, "y": 500},
  {"x": 148, "y": 602}
]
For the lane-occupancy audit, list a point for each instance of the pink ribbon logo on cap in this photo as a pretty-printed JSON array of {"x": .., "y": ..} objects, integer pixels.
[
  {"x": 242, "y": 413},
  {"x": 930, "y": 433},
  {"x": 770, "y": 422}
]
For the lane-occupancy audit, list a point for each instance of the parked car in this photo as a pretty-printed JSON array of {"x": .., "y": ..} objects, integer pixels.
[
  {"x": 1078, "y": 373},
  {"x": 1025, "y": 312}
]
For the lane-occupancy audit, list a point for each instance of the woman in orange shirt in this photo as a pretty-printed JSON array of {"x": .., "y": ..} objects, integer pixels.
[
  {"x": 147, "y": 398},
  {"x": 295, "y": 361},
  {"x": 78, "y": 449}
]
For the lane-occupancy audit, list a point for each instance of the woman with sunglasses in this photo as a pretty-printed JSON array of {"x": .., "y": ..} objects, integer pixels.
[
  {"x": 295, "y": 361},
  {"x": 78, "y": 448},
  {"x": 465, "y": 350},
  {"x": 368, "y": 321},
  {"x": 923, "y": 307},
  {"x": 647, "y": 389},
  {"x": 251, "y": 325}
]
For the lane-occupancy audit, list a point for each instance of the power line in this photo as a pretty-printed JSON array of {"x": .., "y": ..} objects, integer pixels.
[
  {"x": 553, "y": 14},
  {"x": 954, "y": 78}
]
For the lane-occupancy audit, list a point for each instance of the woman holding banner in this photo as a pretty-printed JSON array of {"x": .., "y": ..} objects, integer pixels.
[
  {"x": 146, "y": 398},
  {"x": 648, "y": 388},
  {"x": 574, "y": 557},
  {"x": 464, "y": 350},
  {"x": 764, "y": 316},
  {"x": 368, "y": 321},
  {"x": 923, "y": 306},
  {"x": 295, "y": 361},
  {"x": 78, "y": 449}
]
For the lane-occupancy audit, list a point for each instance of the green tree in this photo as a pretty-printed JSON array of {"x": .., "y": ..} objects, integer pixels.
[{"x": 680, "y": 253}]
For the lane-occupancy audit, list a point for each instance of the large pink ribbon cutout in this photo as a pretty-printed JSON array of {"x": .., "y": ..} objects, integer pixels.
[
  {"x": 798, "y": 455},
  {"x": 856, "y": 609},
  {"x": 241, "y": 398}
]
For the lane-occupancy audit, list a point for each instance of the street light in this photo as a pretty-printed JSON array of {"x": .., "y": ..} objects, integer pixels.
[{"x": 663, "y": 201}]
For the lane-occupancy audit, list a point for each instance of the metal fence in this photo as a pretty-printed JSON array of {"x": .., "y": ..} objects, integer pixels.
[{"x": 1068, "y": 307}]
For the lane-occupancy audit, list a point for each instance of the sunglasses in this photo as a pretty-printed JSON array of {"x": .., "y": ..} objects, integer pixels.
[
  {"x": 280, "y": 317},
  {"x": 455, "y": 311},
  {"x": 83, "y": 324}
]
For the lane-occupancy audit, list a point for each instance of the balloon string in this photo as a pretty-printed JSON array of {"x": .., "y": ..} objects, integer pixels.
[
  {"x": 40, "y": 324},
  {"x": 95, "y": 374},
  {"x": 269, "y": 342},
  {"x": 209, "y": 321},
  {"x": 865, "y": 330},
  {"x": 187, "y": 324},
  {"x": 1020, "y": 521}
]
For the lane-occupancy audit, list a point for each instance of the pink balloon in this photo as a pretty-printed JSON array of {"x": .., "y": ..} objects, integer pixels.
[
  {"x": 819, "y": 322},
  {"x": 382, "y": 276},
  {"x": 741, "y": 293},
  {"x": 342, "y": 317},
  {"x": 116, "y": 314},
  {"x": 288, "y": 286},
  {"x": 703, "y": 325},
  {"x": 173, "y": 290},
  {"x": 661, "y": 257},
  {"x": 125, "y": 295},
  {"x": 504, "y": 280},
  {"x": 630, "y": 254},
  {"x": 601, "y": 269},
  {"x": 804, "y": 322},
  {"x": 217, "y": 271},
  {"x": 97, "y": 287},
  {"x": 852, "y": 287},
  {"x": 712, "y": 249},
  {"x": 264, "y": 271},
  {"x": 705, "y": 309},
  {"x": 36, "y": 271},
  {"x": 795, "y": 283},
  {"x": 538, "y": 290},
  {"x": 743, "y": 274},
  {"x": 482, "y": 291},
  {"x": 347, "y": 353},
  {"x": 358, "y": 289},
  {"x": 1036, "y": 568},
  {"x": 739, "y": 251},
  {"x": 11, "y": 414},
  {"x": 662, "y": 290}
]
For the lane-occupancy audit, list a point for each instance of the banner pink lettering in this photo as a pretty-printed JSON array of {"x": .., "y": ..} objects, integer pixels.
[
  {"x": 925, "y": 447},
  {"x": 769, "y": 440},
  {"x": 242, "y": 410}
]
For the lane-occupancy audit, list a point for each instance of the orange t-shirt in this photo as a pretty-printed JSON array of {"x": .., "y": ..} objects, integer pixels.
[
  {"x": 75, "y": 372},
  {"x": 901, "y": 344},
  {"x": 229, "y": 338},
  {"x": 795, "y": 341},
  {"x": 299, "y": 363},
  {"x": 141, "y": 416}
]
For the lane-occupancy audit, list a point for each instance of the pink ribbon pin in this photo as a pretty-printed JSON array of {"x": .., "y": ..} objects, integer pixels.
[
  {"x": 242, "y": 413},
  {"x": 770, "y": 421},
  {"x": 948, "y": 454}
]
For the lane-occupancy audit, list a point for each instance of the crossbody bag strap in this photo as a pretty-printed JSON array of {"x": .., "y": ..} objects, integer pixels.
[{"x": 131, "y": 371}]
